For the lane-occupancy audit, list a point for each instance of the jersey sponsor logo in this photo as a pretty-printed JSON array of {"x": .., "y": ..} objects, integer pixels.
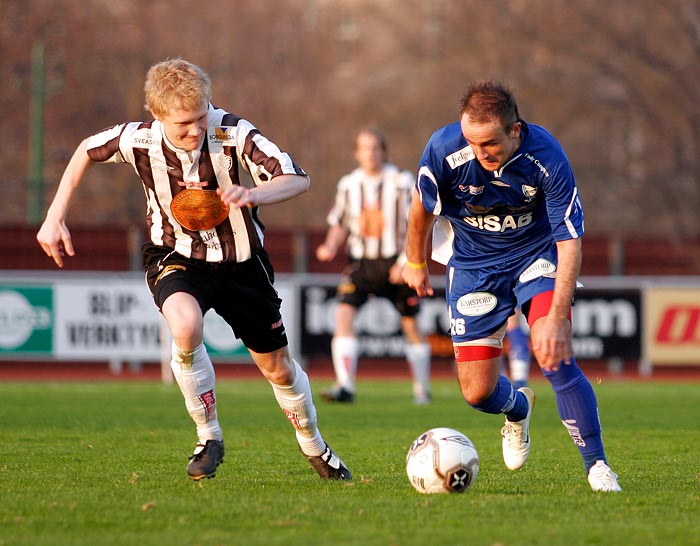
[
  {"x": 473, "y": 190},
  {"x": 539, "y": 268},
  {"x": 537, "y": 163},
  {"x": 142, "y": 139},
  {"x": 191, "y": 185},
  {"x": 476, "y": 304},
  {"x": 491, "y": 222},
  {"x": 460, "y": 158},
  {"x": 224, "y": 135},
  {"x": 145, "y": 142}
]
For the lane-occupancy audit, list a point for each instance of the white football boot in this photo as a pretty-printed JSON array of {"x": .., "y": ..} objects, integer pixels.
[
  {"x": 516, "y": 435},
  {"x": 602, "y": 478}
]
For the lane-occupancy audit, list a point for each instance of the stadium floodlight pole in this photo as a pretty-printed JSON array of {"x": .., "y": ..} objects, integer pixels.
[{"x": 35, "y": 194}]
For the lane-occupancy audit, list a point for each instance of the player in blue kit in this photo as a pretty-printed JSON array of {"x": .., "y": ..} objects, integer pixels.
[
  {"x": 518, "y": 357},
  {"x": 509, "y": 227}
]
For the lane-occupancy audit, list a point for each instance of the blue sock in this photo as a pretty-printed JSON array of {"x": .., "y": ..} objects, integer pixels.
[
  {"x": 578, "y": 410},
  {"x": 519, "y": 344},
  {"x": 505, "y": 399}
]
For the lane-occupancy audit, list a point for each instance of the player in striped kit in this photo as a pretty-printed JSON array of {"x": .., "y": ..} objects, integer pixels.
[
  {"x": 369, "y": 214},
  {"x": 205, "y": 248},
  {"x": 507, "y": 204}
]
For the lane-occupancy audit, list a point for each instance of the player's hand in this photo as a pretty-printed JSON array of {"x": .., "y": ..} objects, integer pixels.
[
  {"x": 324, "y": 253},
  {"x": 551, "y": 342},
  {"x": 396, "y": 274},
  {"x": 55, "y": 240},
  {"x": 237, "y": 196},
  {"x": 418, "y": 279}
]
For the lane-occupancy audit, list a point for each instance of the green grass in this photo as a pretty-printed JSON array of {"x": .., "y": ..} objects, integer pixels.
[{"x": 103, "y": 464}]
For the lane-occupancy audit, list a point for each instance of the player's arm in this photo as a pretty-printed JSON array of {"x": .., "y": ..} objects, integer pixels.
[
  {"x": 415, "y": 271},
  {"x": 403, "y": 201},
  {"x": 335, "y": 238},
  {"x": 53, "y": 235},
  {"x": 281, "y": 188},
  {"x": 552, "y": 344},
  {"x": 276, "y": 177}
]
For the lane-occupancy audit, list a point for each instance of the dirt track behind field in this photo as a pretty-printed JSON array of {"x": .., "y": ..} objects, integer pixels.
[{"x": 321, "y": 369}]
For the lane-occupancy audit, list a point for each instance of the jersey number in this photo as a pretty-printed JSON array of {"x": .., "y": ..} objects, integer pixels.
[{"x": 457, "y": 327}]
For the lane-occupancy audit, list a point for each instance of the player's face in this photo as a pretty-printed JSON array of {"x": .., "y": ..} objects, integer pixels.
[
  {"x": 490, "y": 142},
  {"x": 185, "y": 129},
  {"x": 368, "y": 153}
]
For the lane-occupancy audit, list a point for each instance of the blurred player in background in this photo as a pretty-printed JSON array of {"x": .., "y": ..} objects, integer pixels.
[
  {"x": 370, "y": 214},
  {"x": 206, "y": 245},
  {"x": 519, "y": 354},
  {"x": 511, "y": 224}
]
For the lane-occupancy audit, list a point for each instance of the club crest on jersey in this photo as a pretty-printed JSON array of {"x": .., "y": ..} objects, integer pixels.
[
  {"x": 224, "y": 135},
  {"x": 460, "y": 158},
  {"x": 539, "y": 268},
  {"x": 476, "y": 304},
  {"x": 529, "y": 192},
  {"x": 225, "y": 161}
]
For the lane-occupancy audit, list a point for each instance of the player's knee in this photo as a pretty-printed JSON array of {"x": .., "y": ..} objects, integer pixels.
[
  {"x": 186, "y": 326},
  {"x": 474, "y": 395},
  {"x": 277, "y": 368},
  {"x": 280, "y": 375},
  {"x": 186, "y": 335}
]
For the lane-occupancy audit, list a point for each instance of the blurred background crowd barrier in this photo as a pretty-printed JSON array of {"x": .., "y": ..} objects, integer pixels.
[{"x": 98, "y": 309}]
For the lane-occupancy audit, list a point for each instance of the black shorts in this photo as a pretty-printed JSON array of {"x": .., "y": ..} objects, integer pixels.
[
  {"x": 242, "y": 293},
  {"x": 363, "y": 278}
]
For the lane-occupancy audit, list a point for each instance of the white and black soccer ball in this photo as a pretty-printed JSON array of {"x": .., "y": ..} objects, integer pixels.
[{"x": 442, "y": 460}]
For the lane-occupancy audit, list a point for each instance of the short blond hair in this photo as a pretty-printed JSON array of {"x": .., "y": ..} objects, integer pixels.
[{"x": 176, "y": 84}]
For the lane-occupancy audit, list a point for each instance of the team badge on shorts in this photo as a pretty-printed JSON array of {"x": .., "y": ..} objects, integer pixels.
[{"x": 476, "y": 304}]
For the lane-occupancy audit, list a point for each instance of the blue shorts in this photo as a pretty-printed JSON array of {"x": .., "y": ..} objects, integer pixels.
[{"x": 481, "y": 300}]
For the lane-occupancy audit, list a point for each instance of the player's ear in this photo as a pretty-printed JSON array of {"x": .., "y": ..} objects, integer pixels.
[{"x": 515, "y": 131}]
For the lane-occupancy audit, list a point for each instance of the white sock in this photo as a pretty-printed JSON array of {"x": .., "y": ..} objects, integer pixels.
[
  {"x": 344, "y": 351},
  {"x": 298, "y": 405},
  {"x": 418, "y": 356},
  {"x": 195, "y": 376},
  {"x": 519, "y": 370}
]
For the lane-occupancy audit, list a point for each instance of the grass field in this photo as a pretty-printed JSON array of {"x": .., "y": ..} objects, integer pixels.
[{"x": 103, "y": 464}]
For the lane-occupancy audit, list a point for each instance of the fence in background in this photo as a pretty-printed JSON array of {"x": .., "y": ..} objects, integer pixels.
[{"x": 100, "y": 316}]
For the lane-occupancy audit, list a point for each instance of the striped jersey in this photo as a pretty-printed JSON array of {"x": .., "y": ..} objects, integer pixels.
[
  {"x": 229, "y": 144},
  {"x": 374, "y": 210},
  {"x": 484, "y": 217}
]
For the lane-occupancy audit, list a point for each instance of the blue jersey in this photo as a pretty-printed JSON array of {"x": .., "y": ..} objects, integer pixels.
[{"x": 490, "y": 217}]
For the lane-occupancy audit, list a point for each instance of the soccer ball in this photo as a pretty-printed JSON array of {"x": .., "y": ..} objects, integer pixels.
[{"x": 442, "y": 460}]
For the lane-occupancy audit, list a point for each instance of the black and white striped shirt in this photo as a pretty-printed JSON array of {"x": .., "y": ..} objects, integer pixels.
[
  {"x": 388, "y": 193},
  {"x": 230, "y": 142}
]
